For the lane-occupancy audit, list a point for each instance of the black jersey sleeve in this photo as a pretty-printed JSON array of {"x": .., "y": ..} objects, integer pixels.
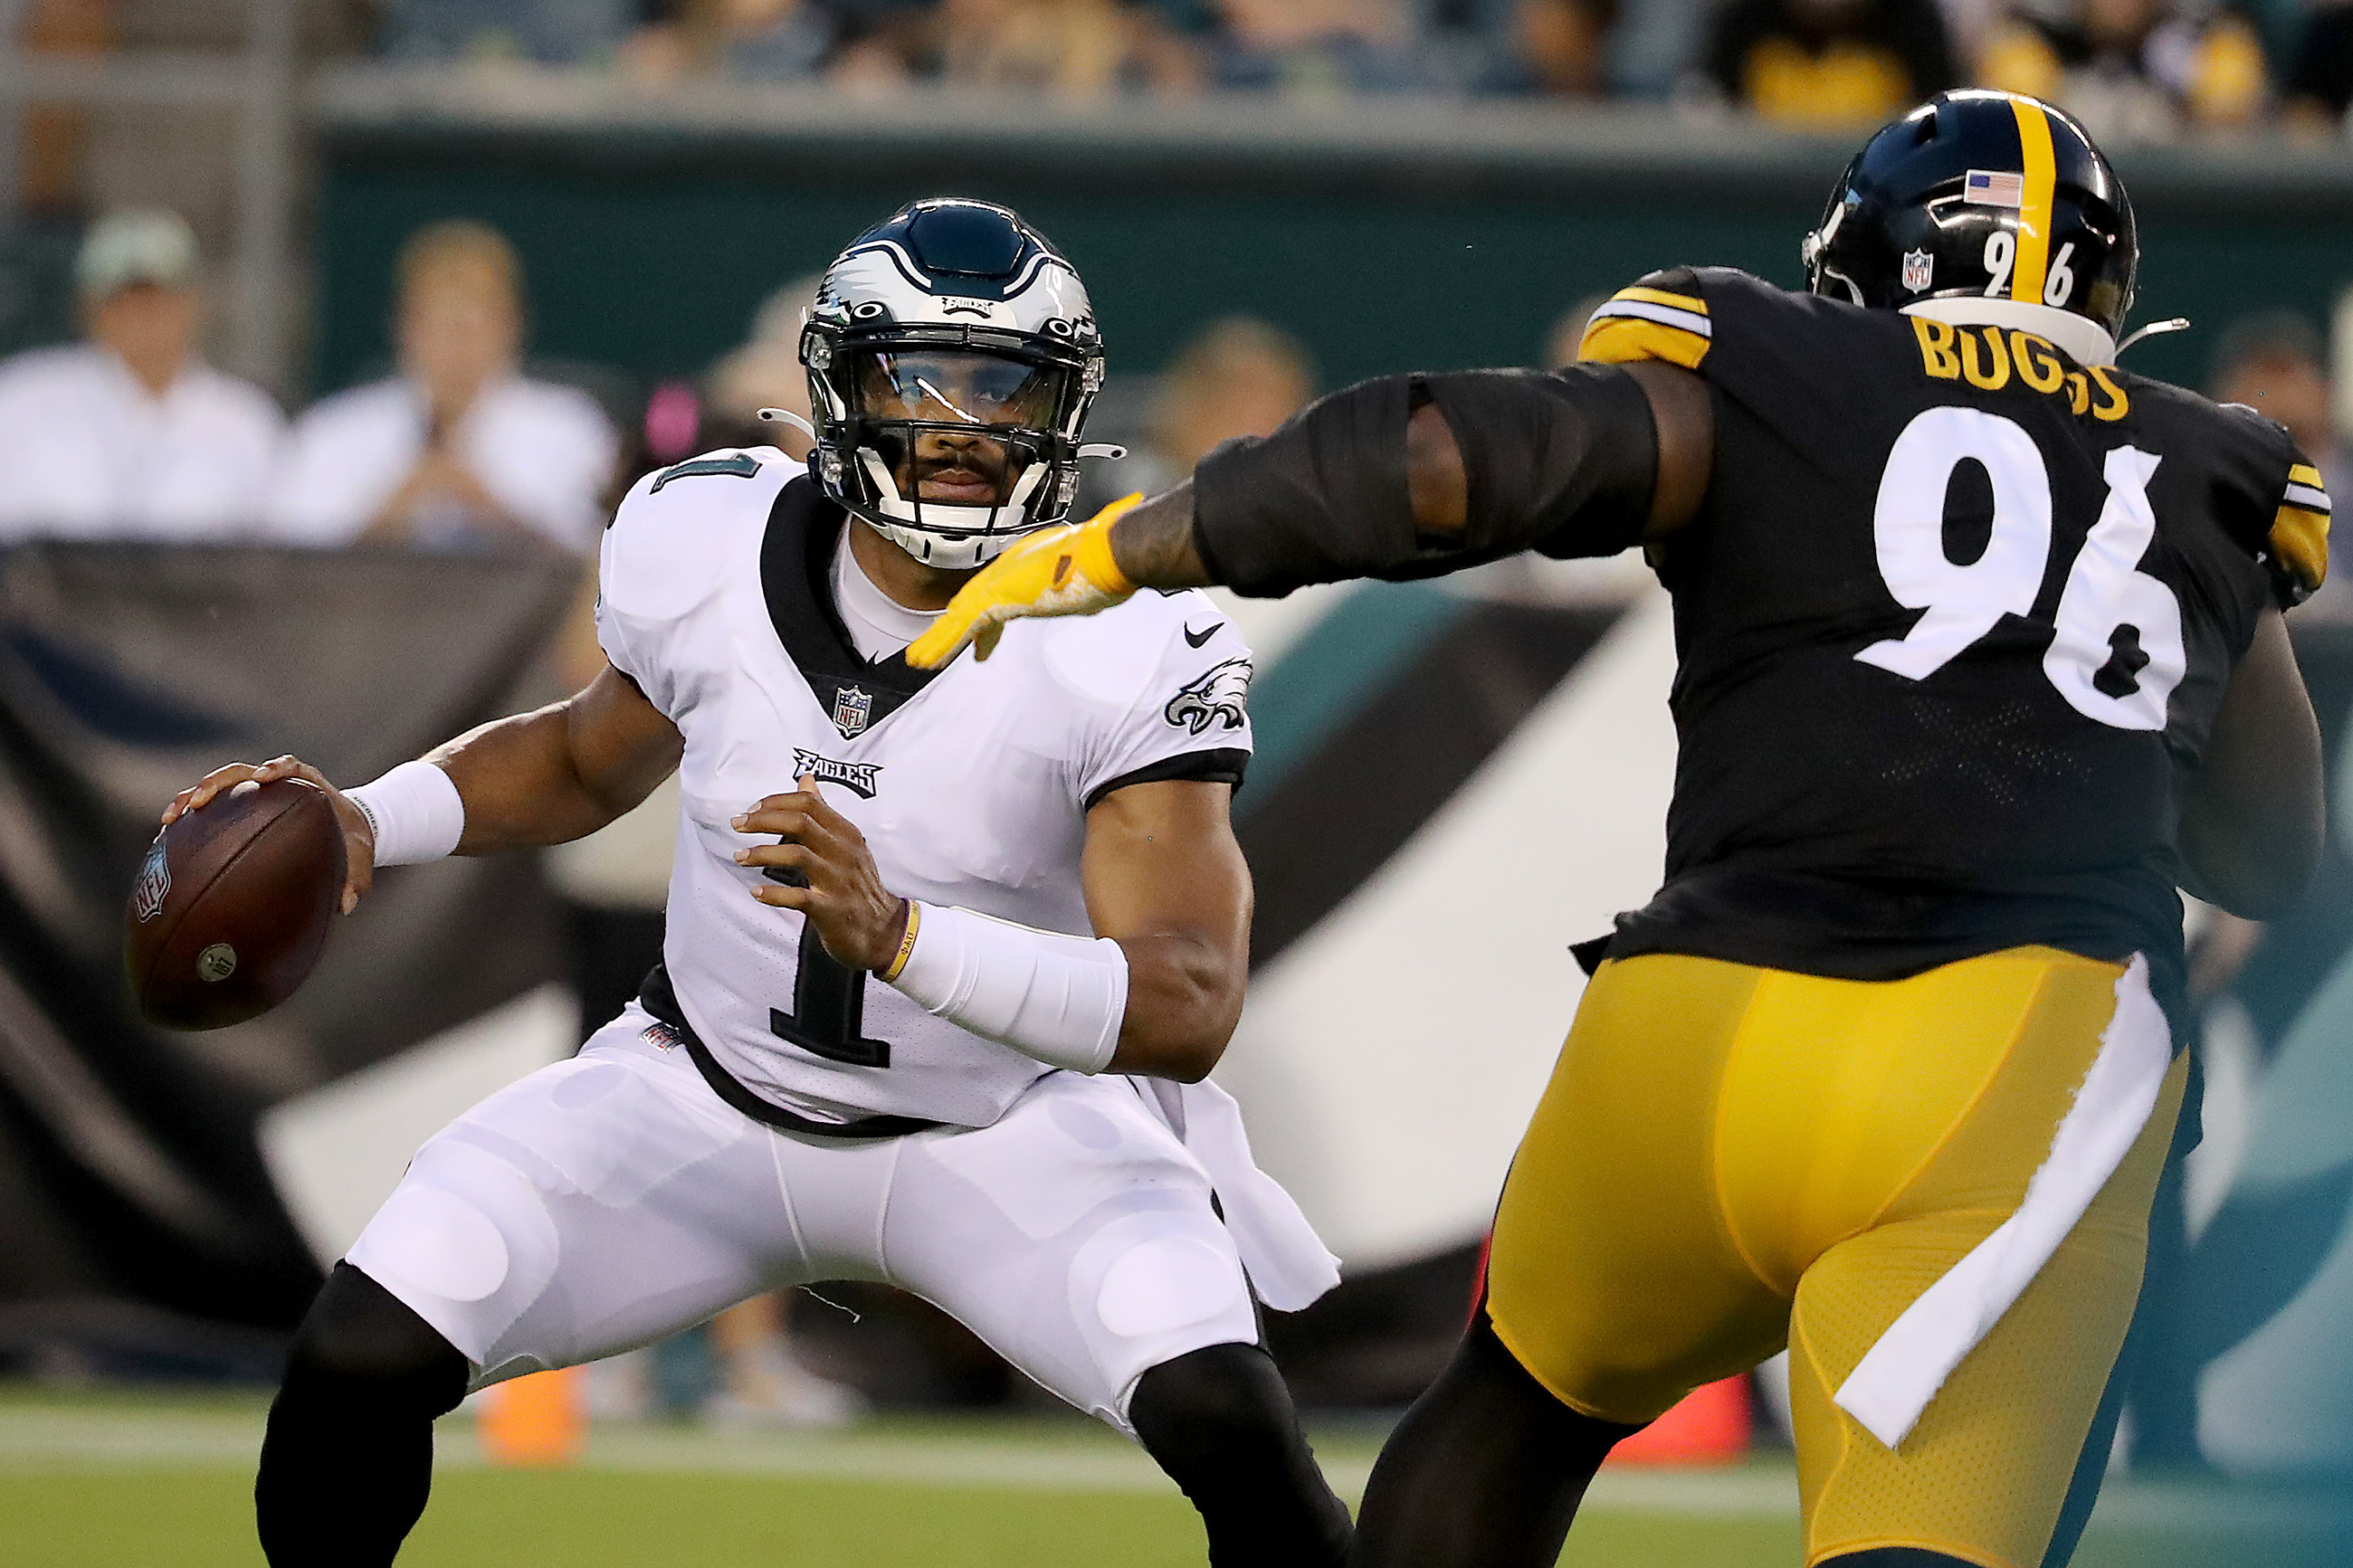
[
  {"x": 1563, "y": 462},
  {"x": 2271, "y": 500}
]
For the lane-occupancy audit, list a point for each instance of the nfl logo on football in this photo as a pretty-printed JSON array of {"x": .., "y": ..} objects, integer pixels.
[
  {"x": 1919, "y": 268},
  {"x": 851, "y": 709}
]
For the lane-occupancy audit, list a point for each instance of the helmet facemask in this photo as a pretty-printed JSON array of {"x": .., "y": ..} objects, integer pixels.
[
  {"x": 950, "y": 450},
  {"x": 952, "y": 357}
]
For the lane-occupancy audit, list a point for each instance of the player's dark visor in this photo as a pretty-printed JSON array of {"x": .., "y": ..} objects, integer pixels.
[{"x": 946, "y": 388}]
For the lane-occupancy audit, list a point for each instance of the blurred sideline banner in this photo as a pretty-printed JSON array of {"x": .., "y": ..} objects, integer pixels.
[{"x": 134, "y": 1203}]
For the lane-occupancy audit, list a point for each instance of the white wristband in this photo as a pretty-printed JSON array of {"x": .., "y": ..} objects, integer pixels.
[
  {"x": 417, "y": 812},
  {"x": 1057, "y": 998}
]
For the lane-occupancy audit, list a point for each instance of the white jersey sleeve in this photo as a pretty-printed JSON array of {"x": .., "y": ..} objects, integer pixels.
[
  {"x": 678, "y": 538},
  {"x": 1190, "y": 719}
]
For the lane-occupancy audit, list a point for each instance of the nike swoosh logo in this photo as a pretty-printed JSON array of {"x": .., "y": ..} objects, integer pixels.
[{"x": 1203, "y": 634}]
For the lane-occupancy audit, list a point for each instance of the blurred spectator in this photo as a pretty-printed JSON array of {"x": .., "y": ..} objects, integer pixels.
[
  {"x": 755, "y": 40},
  {"x": 1830, "y": 65},
  {"x": 549, "y": 32},
  {"x": 1070, "y": 48},
  {"x": 2276, "y": 363},
  {"x": 458, "y": 451},
  {"x": 1238, "y": 376},
  {"x": 1555, "y": 48},
  {"x": 2133, "y": 69},
  {"x": 1318, "y": 48},
  {"x": 131, "y": 434},
  {"x": 1076, "y": 48},
  {"x": 2319, "y": 83},
  {"x": 765, "y": 371}
]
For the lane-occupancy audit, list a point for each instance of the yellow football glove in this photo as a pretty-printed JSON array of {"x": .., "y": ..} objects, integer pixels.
[{"x": 1064, "y": 571}]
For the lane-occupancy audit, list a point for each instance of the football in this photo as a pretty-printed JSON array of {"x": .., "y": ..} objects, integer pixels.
[{"x": 233, "y": 905}]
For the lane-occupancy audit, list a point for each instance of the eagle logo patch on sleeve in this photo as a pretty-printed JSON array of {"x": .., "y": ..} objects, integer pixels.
[{"x": 1218, "y": 697}]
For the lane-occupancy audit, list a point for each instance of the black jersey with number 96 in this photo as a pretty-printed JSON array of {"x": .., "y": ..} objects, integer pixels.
[{"x": 1953, "y": 623}]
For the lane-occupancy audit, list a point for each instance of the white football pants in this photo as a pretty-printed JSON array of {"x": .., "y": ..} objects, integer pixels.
[{"x": 611, "y": 1200}]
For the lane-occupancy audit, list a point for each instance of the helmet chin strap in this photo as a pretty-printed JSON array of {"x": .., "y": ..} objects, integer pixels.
[{"x": 2085, "y": 339}]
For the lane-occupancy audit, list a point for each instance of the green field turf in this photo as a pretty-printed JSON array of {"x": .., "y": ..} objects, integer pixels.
[{"x": 110, "y": 1480}]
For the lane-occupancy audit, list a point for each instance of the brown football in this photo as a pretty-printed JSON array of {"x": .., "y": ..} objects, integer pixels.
[{"x": 233, "y": 905}]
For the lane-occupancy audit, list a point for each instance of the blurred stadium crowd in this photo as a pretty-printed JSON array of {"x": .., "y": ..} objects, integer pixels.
[
  {"x": 2133, "y": 69},
  {"x": 130, "y": 434}
]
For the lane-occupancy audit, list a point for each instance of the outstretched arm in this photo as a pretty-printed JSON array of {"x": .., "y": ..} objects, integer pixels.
[
  {"x": 545, "y": 777},
  {"x": 1406, "y": 476},
  {"x": 1158, "y": 544}
]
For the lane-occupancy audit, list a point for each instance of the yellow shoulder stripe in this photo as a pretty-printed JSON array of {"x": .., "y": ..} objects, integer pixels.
[
  {"x": 2299, "y": 540},
  {"x": 1620, "y": 339},
  {"x": 2306, "y": 474},
  {"x": 1661, "y": 297}
]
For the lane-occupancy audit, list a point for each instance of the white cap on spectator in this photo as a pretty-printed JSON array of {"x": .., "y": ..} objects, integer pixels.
[{"x": 143, "y": 245}]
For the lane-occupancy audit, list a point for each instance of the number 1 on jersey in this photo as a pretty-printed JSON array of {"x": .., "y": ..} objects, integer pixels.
[
  {"x": 2116, "y": 649},
  {"x": 828, "y": 1015}
]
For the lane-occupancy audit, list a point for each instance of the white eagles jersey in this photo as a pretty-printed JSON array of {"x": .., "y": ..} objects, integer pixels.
[{"x": 971, "y": 784}]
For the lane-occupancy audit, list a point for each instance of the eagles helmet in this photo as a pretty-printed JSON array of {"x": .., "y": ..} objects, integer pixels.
[
  {"x": 952, "y": 347},
  {"x": 1995, "y": 204}
]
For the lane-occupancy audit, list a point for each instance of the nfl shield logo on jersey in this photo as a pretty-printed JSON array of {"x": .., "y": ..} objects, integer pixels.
[
  {"x": 1919, "y": 270},
  {"x": 851, "y": 709}
]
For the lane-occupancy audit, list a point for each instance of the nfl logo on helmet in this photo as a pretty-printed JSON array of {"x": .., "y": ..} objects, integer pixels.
[
  {"x": 851, "y": 709},
  {"x": 1919, "y": 270}
]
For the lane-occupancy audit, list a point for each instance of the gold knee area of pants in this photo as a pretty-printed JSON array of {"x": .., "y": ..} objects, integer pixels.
[{"x": 1721, "y": 1145}]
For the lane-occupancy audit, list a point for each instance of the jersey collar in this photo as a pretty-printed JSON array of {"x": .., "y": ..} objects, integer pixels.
[
  {"x": 2082, "y": 339},
  {"x": 795, "y": 577}
]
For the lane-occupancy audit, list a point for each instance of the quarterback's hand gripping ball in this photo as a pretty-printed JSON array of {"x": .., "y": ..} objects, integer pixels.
[
  {"x": 1065, "y": 571},
  {"x": 233, "y": 905}
]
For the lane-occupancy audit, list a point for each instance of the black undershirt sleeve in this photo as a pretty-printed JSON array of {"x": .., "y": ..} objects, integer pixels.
[{"x": 1563, "y": 463}]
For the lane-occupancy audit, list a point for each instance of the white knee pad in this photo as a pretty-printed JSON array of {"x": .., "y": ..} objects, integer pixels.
[
  {"x": 536, "y": 1230},
  {"x": 466, "y": 1243},
  {"x": 1151, "y": 1286}
]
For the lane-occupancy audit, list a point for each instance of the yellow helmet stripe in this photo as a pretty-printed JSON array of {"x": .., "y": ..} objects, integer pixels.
[{"x": 2039, "y": 166}]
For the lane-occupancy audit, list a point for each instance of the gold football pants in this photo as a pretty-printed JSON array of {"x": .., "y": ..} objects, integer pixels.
[{"x": 1729, "y": 1159}]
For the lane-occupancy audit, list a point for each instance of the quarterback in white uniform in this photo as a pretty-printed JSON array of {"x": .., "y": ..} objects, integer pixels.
[{"x": 948, "y": 952}]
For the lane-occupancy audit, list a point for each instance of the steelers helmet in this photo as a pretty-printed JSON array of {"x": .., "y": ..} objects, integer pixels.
[
  {"x": 953, "y": 333},
  {"x": 1991, "y": 197}
]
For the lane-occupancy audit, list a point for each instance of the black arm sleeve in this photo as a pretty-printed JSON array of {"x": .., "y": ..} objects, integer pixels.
[{"x": 1563, "y": 462}]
